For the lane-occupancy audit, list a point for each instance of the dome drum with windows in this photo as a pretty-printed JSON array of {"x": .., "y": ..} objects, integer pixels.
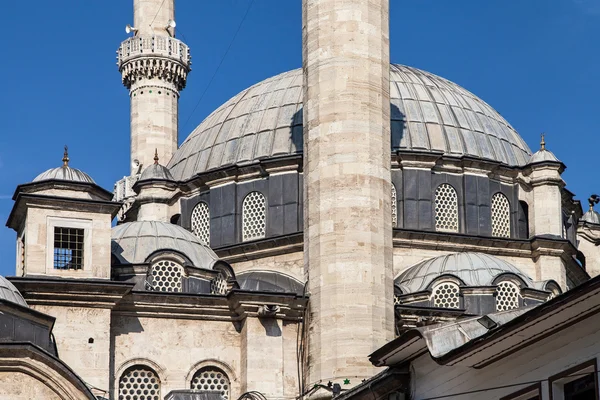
[{"x": 473, "y": 283}]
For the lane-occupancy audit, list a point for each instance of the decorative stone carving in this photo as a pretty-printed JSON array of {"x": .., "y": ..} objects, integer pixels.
[{"x": 154, "y": 56}]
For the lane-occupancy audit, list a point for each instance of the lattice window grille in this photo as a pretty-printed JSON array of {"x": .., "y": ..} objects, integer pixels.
[
  {"x": 500, "y": 216},
  {"x": 218, "y": 285},
  {"x": 211, "y": 378},
  {"x": 200, "y": 223},
  {"x": 68, "y": 248},
  {"x": 394, "y": 207},
  {"x": 254, "y": 217},
  {"x": 446, "y": 295},
  {"x": 397, "y": 301},
  {"x": 446, "y": 209},
  {"x": 166, "y": 276},
  {"x": 139, "y": 383},
  {"x": 507, "y": 296}
]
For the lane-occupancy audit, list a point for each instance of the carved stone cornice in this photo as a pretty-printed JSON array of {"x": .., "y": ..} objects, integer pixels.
[{"x": 154, "y": 56}]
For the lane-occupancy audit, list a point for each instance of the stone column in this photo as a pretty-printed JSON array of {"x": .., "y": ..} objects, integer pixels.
[
  {"x": 154, "y": 67},
  {"x": 347, "y": 186}
]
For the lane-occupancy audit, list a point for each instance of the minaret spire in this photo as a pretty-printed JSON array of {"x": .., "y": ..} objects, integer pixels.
[{"x": 154, "y": 67}]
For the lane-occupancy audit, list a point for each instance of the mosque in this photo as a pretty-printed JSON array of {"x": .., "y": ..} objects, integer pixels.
[{"x": 350, "y": 229}]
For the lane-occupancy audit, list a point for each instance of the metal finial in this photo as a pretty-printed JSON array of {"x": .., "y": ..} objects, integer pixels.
[
  {"x": 155, "y": 156},
  {"x": 594, "y": 199},
  {"x": 66, "y": 157},
  {"x": 543, "y": 142}
]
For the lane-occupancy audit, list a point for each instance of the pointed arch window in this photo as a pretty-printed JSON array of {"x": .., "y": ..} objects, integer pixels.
[
  {"x": 165, "y": 276},
  {"x": 500, "y": 216},
  {"x": 507, "y": 296},
  {"x": 254, "y": 215},
  {"x": 446, "y": 295},
  {"x": 211, "y": 378},
  {"x": 394, "y": 207},
  {"x": 139, "y": 382},
  {"x": 200, "y": 222},
  {"x": 446, "y": 208}
]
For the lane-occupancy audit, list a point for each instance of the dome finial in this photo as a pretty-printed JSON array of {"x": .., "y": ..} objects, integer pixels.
[
  {"x": 543, "y": 142},
  {"x": 594, "y": 199},
  {"x": 66, "y": 157},
  {"x": 155, "y": 156}
]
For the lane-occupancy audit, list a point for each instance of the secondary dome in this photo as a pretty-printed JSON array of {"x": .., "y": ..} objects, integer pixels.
[
  {"x": 474, "y": 269},
  {"x": 134, "y": 242},
  {"x": 64, "y": 173},
  {"x": 428, "y": 113},
  {"x": 9, "y": 292}
]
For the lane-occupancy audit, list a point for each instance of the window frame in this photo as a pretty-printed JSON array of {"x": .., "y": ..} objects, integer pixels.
[
  {"x": 512, "y": 281},
  {"x": 138, "y": 366},
  {"x": 242, "y": 215},
  {"x": 200, "y": 204},
  {"x": 212, "y": 368},
  {"x": 58, "y": 222},
  {"x": 441, "y": 282},
  {"x": 510, "y": 224},
  {"x": 394, "y": 206},
  {"x": 557, "y": 382},
  {"x": 435, "y": 213}
]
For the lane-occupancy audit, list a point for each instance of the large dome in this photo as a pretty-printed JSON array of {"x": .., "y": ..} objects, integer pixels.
[{"x": 428, "y": 113}]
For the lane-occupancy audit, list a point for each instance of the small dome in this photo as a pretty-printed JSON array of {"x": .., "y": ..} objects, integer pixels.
[
  {"x": 428, "y": 113},
  {"x": 134, "y": 242},
  {"x": 591, "y": 217},
  {"x": 543, "y": 155},
  {"x": 64, "y": 173},
  {"x": 269, "y": 281},
  {"x": 156, "y": 172},
  {"x": 474, "y": 269},
  {"x": 9, "y": 292}
]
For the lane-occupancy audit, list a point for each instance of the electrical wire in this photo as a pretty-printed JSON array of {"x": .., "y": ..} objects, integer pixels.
[
  {"x": 156, "y": 15},
  {"x": 220, "y": 63}
]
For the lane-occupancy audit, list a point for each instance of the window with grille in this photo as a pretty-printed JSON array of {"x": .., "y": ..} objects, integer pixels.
[
  {"x": 139, "y": 383},
  {"x": 68, "y": 248},
  {"x": 254, "y": 217},
  {"x": 500, "y": 216},
  {"x": 394, "y": 207},
  {"x": 200, "y": 222},
  {"x": 507, "y": 296},
  {"x": 218, "y": 285},
  {"x": 211, "y": 378},
  {"x": 446, "y": 295},
  {"x": 446, "y": 208},
  {"x": 165, "y": 276}
]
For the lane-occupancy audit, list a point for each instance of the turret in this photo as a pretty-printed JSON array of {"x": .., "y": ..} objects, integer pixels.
[{"x": 154, "y": 67}]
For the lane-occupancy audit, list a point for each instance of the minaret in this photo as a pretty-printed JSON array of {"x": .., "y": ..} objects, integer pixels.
[
  {"x": 347, "y": 188},
  {"x": 154, "y": 67}
]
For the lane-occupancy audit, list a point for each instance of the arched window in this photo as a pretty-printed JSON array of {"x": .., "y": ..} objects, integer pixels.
[
  {"x": 446, "y": 209},
  {"x": 200, "y": 222},
  {"x": 394, "y": 207},
  {"x": 139, "y": 382},
  {"x": 211, "y": 378},
  {"x": 446, "y": 295},
  {"x": 507, "y": 296},
  {"x": 254, "y": 216},
  {"x": 500, "y": 216},
  {"x": 165, "y": 276},
  {"x": 218, "y": 285}
]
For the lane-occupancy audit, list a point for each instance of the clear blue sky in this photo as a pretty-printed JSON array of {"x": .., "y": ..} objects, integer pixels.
[{"x": 535, "y": 61}]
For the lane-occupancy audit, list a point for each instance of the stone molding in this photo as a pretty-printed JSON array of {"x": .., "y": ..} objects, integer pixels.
[{"x": 154, "y": 56}]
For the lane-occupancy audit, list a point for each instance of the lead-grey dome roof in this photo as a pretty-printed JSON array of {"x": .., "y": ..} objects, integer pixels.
[
  {"x": 591, "y": 217},
  {"x": 134, "y": 242},
  {"x": 269, "y": 281},
  {"x": 474, "y": 269},
  {"x": 428, "y": 113},
  {"x": 64, "y": 173},
  {"x": 156, "y": 172},
  {"x": 9, "y": 292},
  {"x": 543, "y": 155}
]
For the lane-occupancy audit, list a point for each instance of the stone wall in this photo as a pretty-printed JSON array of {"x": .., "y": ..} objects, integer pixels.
[{"x": 18, "y": 385}]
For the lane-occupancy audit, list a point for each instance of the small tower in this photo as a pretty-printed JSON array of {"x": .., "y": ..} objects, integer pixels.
[
  {"x": 154, "y": 67},
  {"x": 63, "y": 224},
  {"x": 546, "y": 218}
]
